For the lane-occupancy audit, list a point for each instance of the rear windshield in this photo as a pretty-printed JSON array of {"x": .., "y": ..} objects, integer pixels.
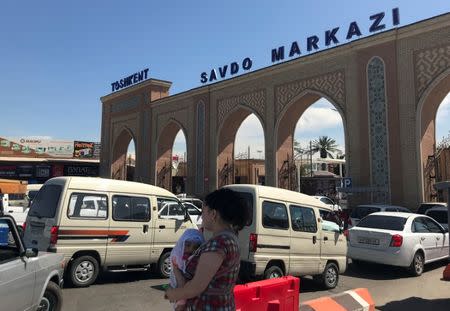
[
  {"x": 32, "y": 194},
  {"x": 383, "y": 222},
  {"x": 362, "y": 211},
  {"x": 248, "y": 201},
  {"x": 440, "y": 216},
  {"x": 46, "y": 202}
]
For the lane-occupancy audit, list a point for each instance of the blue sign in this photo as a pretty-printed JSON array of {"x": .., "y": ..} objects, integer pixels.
[
  {"x": 312, "y": 43},
  {"x": 330, "y": 36},
  {"x": 346, "y": 182},
  {"x": 130, "y": 80}
]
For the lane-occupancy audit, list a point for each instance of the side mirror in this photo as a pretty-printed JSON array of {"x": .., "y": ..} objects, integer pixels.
[{"x": 31, "y": 252}]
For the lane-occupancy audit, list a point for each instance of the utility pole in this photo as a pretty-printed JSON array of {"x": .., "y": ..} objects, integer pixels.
[
  {"x": 248, "y": 165},
  {"x": 310, "y": 159}
]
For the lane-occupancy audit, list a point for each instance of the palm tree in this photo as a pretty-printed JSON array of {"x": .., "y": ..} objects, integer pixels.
[{"x": 325, "y": 145}]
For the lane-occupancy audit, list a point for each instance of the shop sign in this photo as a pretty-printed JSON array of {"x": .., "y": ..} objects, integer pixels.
[
  {"x": 72, "y": 170},
  {"x": 7, "y": 171},
  {"x": 42, "y": 171},
  {"x": 330, "y": 37},
  {"x": 130, "y": 80},
  {"x": 83, "y": 149}
]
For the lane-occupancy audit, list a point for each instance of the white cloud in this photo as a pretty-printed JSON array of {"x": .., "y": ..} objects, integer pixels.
[{"x": 317, "y": 119}]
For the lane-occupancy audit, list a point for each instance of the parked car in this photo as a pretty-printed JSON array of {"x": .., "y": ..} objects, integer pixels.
[
  {"x": 194, "y": 212},
  {"x": 329, "y": 202},
  {"x": 398, "y": 239},
  {"x": 104, "y": 224},
  {"x": 286, "y": 235},
  {"x": 361, "y": 211},
  {"x": 184, "y": 198},
  {"x": 423, "y": 207},
  {"x": 440, "y": 214},
  {"x": 30, "y": 280}
]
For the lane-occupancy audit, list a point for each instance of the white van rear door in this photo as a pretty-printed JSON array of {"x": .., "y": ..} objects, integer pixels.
[{"x": 43, "y": 216}]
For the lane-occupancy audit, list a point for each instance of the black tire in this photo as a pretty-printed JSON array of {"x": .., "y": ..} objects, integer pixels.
[
  {"x": 52, "y": 299},
  {"x": 83, "y": 271},
  {"x": 417, "y": 264},
  {"x": 273, "y": 272},
  {"x": 164, "y": 266},
  {"x": 329, "y": 279}
]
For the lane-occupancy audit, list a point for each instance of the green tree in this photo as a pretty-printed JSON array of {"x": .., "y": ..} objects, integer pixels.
[{"x": 325, "y": 145}]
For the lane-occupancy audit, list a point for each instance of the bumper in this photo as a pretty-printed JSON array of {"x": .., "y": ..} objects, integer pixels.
[
  {"x": 247, "y": 270},
  {"x": 390, "y": 256}
]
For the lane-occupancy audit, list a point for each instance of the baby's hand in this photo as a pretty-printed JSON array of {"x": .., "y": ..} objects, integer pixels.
[{"x": 174, "y": 263}]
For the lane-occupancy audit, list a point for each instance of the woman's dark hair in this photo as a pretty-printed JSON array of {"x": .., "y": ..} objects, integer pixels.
[{"x": 231, "y": 207}]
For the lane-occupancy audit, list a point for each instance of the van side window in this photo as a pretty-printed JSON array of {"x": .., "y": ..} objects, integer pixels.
[
  {"x": 88, "y": 205},
  {"x": 274, "y": 215},
  {"x": 127, "y": 208},
  {"x": 303, "y": 219}
]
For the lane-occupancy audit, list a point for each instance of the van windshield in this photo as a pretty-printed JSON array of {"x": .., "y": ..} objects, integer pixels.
[{"x": 46, "y": 202}]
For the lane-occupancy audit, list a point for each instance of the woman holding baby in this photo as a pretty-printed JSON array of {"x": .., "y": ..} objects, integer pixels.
[{"x": 211, "y": 271}]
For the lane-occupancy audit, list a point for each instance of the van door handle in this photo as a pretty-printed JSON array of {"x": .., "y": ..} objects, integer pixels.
[
  {"x": 325, "y": 238},
  {"x": 438, "y": 238},
  {"x": 162, "y": 227},
  {"x": 422, "y": 238},
  {"x": 145, "y": 228},
  {"x": 314, "y": 239}
]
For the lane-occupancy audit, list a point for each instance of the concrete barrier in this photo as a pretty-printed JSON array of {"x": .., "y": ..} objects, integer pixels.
[
  {"x": 357, "y": 300},
  {"x": 446, "y": 274}
]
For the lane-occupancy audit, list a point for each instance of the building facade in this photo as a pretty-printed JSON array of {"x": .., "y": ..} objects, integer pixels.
[{"x": 386, "y": 87}]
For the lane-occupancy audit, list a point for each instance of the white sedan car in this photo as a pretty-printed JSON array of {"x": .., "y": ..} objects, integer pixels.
[{"x": 398, "y": 239}]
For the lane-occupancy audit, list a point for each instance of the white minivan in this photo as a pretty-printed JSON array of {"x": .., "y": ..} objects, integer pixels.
[
  {"x": 104, "y": 223},
  {"x": 287, "y": 235}
]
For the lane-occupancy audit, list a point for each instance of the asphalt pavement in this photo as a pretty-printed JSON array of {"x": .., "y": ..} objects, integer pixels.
[{"x": 392, "y": 289}]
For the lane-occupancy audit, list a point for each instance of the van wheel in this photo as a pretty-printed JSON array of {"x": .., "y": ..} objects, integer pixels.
[
  {"x": 273, "y": 272},
  {"x": 164, "y": 266},
  {"x": 52, "y": 299},
  {"x": 417, "y": 265},
  {"x": 330, "y": 276},
  {"x": 83, "y": 271}
]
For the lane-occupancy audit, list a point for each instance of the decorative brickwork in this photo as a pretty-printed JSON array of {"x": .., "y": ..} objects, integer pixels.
[
  {"x": 255, "y": 100},
  {"x": 331, "y": 84},
  {"x": 428, "y": 64},
  {"x": 378, "y": 130}
]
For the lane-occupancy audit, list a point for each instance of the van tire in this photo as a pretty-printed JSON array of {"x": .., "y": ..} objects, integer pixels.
[
  {"x": 52, "y": 298},
  {"x": 329, "y": 279},
  {"x": 273, "y": 272},
  {"x": 83, "y": 271},
  {"x": 164, "y": 266}
]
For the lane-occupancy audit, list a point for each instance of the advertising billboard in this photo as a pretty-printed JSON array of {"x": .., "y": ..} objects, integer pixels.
[{"x": 35, "y": 147}]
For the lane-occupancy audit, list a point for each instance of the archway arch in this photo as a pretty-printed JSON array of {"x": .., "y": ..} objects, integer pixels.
[
  {"x": 120, "y": 150},
  {"x": 286, "y": 167},
  {"x": 226, "y": 142},
  {"x": 164, "y": 158},
  {"x": 428, "y": 106}
]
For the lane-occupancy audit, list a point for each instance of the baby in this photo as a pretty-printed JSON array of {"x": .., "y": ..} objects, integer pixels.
[{"x": 189, "y": 241}]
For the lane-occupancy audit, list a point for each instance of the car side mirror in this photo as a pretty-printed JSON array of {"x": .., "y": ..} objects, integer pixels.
[{"x": 31, "y": 252}]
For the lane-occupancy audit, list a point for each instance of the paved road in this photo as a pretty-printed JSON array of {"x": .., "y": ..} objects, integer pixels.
[{"x": 391, "y": 288}]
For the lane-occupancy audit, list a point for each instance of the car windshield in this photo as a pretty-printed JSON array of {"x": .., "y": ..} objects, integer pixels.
[
  {"x": 362, "y": 211},
  {"x": 383, "y": 222},
  {"x": 440, "y": 216},
  {"x": 46, "y": 202}
]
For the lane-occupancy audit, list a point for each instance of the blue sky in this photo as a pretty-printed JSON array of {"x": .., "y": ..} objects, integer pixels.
[{"x": 58, "y": 57}]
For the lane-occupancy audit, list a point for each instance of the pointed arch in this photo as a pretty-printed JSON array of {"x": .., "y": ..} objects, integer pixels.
[
  {"x": 119, "y": 153},
  {"x": 226, "y": 136},
  {"x": 427, "y": 108},
  {"x": 164, "y": 149}
]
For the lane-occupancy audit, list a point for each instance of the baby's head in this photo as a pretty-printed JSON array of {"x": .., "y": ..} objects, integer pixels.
[{"x": 190, "y": 246}]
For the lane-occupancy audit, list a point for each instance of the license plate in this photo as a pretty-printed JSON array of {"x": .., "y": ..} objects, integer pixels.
[
  {"x": 37, "y": 230},
  {"x": 370, "y": 241}
]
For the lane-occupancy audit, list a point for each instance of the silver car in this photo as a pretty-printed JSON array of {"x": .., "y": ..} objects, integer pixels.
[{"x": 28, "y": 280}]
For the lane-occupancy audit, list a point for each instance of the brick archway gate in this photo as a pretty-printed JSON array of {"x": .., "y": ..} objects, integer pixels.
[{"x": 381, "y": 85}]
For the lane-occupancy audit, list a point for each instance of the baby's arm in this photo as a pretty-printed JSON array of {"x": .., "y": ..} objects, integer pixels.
[{"x": 178, "y": 275}]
